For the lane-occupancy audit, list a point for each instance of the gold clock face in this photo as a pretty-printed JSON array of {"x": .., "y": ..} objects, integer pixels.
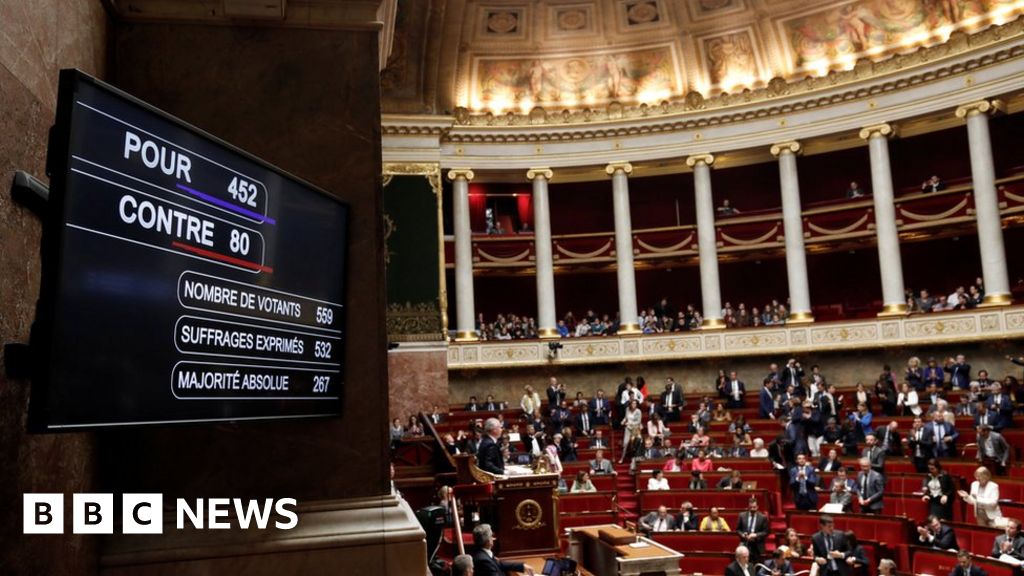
[{"x": 528, "y": 514}]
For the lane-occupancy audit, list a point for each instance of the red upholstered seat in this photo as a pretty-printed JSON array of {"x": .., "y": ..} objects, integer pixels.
[
  {"x": 587, "y": 502},
  {"x": 939, "y": 563},
  {"x": 687, "y": 542}
]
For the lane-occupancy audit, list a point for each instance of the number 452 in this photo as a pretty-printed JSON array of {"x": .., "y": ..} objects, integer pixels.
[{"x": 243, "y": 191}]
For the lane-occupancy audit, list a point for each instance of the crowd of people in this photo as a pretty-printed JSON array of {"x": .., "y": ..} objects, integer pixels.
[
  {"x": 819, "y": 430},
  {"x": 960, "y": 299}
]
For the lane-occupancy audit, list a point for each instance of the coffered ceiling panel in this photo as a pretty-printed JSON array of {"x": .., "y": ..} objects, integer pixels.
[{"x": 509, "y": 55}]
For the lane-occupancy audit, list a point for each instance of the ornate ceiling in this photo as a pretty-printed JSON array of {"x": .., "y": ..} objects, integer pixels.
[{"x": 514, "y": 55}]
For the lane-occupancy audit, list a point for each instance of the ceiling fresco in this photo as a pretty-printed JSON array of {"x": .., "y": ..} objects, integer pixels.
[{"x": 515, "y": 55}]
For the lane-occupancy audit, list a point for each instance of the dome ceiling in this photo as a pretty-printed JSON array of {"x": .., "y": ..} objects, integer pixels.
[{"x": 508, "y": 55}]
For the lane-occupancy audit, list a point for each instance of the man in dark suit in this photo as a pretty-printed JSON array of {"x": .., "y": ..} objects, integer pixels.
[
  {"x": 491, "y": 405},
  {"x": 804, "y": 482},
  {"x": 583, "y": 421},
  {"x": 874, "y": 453},
  {"x": 964, "y": 566},
  {"x": 473, "y": 405},
  {"x": 660, "y": 521},
  {"x": 889, "y": 440},
  {"x": 488, "y": 453},
  {"x": 959, "y": 373},
  {"x": 687, "y": 520},
  {"x": 943, "y": 435},
  {"x": 752, "y": 528},
  {"x": 830, "y": 549},
  {"x": 984, "y": 417},
  {"x": 485, "y": 563},
  {"x": 1010, "y": 543},
  {"x": 600, "y": 409},
  {"x": 870, "y": 489},
  {"x": 556, "y": 392},
  {"x": 741, "y": 566},
  {"x": 937, "y": 535},
  {"x": 671, "y": 401},
  {"x": 767, "y": 401},
  {"x": 793, "y": 374},
  {"x": 1000, "y": 404},
  {"x": 920, "y": 446}
]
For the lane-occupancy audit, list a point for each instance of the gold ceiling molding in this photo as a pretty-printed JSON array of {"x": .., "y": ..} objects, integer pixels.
[
  {"x": 958, "y": 44},
  {"x": 981, "y": 325}
]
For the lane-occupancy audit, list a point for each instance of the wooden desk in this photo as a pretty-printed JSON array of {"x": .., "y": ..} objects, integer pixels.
[
  {"x": 537, "y": 563},
  {"x": 605, "y": 559}
]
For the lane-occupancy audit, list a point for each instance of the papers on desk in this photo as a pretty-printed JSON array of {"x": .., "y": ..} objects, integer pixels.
[
  {"x": 832, "y": 508},
  {"x": 518, "y": 470},
  {"x": 1010, "y": 560},
  {"x": 639, "y": 545}
]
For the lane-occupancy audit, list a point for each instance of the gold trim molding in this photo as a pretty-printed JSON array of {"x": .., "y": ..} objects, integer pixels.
[
  {"x": 992, "y": 300},
  {"x": 791, "y": 146},
  {"x": 1005, "y": 323},
  {"x": 885, "y": 130},
  {"x": 890, "y": 310},
  {"x": 800, "y": 318},
  {"x": 613, "y": 167},
  {"x": 464, "y": 173},
  {"x": 991, "y": 107},
  {"x": 545, "y": 173},
  {"x": 707, "y": 159}
]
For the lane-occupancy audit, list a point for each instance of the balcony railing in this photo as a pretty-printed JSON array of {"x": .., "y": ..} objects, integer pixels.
[
  {"x": 827, "y": 226},
  {"x": 923, "y": 329}
]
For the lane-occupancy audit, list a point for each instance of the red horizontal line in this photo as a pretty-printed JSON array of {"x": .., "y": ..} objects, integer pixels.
[{"x": 222, "y": 257}]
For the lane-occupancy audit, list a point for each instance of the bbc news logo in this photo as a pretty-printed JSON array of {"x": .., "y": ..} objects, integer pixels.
[{"x": 144, "y": 513}]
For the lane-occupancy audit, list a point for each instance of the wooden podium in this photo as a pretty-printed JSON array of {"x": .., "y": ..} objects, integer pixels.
[
  {"x": 524, "y": 509},
  {"x": 527, "y": 511}
]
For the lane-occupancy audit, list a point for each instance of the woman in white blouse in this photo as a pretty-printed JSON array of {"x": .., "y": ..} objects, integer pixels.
[
  {"x": 658, "y": 481},
  {"x": 759, "y": 451},
  {"x": 984, "y": 496},
  {"x": 907, "y": 400},
  {"x": 656, "y": 429},
  {"x": 631, "y": 423},
  {"x": 530, "y": 401}
]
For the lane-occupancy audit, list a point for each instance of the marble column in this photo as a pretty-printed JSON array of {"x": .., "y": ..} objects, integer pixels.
[
  {"x": 889, "y": 260},
  {"x": 986, "y": 202},
  {"x": 547, "y": 323},
  {"x": 792, "y": 222},
  {"x": 628, "y": 317},
  {"x": 707, "y": 242},
  {"x": 465, "y": 317}
]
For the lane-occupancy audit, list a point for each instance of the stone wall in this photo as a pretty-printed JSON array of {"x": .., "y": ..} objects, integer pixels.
[{"x": 37, "y": 39}]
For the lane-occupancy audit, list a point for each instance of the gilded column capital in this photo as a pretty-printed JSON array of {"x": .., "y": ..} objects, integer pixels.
[
  {"x": 612, "y": 167},
  {"x": 707, "y": 158},
  {"x": 885, "y": 130},
  {"x": 544, "y": 173},
  {"x": 791, "y": 146},
  {"x": 980, "y": 107},
  {"x": 456, "y": 173}
]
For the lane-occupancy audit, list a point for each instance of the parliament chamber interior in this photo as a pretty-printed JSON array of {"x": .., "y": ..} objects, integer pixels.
[{"x": 589, "y": 287}]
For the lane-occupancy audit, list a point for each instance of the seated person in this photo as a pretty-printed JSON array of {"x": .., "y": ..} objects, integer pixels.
[
  {"x": 714, "y": 523},
  {"x": 726, "y": 209},
  {"x": 473, "y": 405},
  {"x": 660, "y": 521},
  {"x": 485, "y": 562},
  {"x": 777, "y": 566},
  {"x": 731, "y": 482},
  {"x": 965, "y": 567},
  {"x": 687, "y": 520},
  {"x": 854, "y": 191},
  {"x": 935, "y": 534},
  {"x": 600, "y": 464},
  {"x": 1010, "y": 543},
  {"x": 582, "y": 483},
  {"x": 658, "y": 481},
  {"x": 933, "y": 184},
  {"x": 697, "y": 481}
]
